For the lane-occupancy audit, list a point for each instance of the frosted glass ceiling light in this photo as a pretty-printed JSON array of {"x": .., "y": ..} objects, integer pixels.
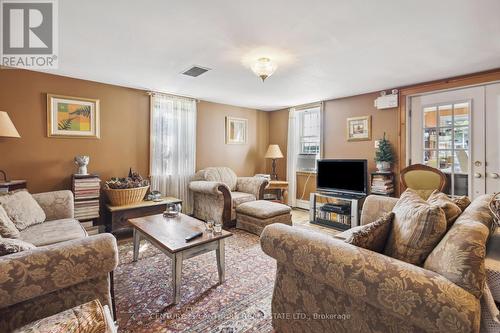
[{"x": 264, "y": 68}]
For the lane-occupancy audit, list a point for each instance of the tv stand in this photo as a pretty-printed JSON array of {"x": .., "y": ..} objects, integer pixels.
[{"x": 335, "y": 210}]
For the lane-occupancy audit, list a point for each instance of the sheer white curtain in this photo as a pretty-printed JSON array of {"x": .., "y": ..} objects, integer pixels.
[
  {"x": 173, "y": 146},
  {"x": 291, "y": 158}
]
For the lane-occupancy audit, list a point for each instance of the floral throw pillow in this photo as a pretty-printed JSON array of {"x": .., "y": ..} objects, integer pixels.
[
  {"x": 22, "y": 209},
  {"x": 7, "y": 227},
  {"x": 451, "y": 209},
  {"x": 373, "y": 236},
  {"x": 10, "y": 245}
]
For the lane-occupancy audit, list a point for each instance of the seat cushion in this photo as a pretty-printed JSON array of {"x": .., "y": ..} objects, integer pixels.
[
  {"x": 263, "y": 209},
  {"x": 22, "y": 209},
  {"x": 373, "y": 236},
  {"x": 416, "y": 229},
  {"x": 51, "y": 232},
  {"x": 241, "y": 197},
  {"x": 451, "y": 210},
  {"x": 459, "y": 256}
]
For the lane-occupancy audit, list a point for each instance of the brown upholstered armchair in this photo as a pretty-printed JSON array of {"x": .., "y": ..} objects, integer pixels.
[{"x": 217, "y": 191}]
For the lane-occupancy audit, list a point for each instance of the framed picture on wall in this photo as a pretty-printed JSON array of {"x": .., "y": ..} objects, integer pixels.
[
  {"x": 72, "y": 117},
  {"x": 236, "y": 130},
  {"x": 359, "y": 128}
]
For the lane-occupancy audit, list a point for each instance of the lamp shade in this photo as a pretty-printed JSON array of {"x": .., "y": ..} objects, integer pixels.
[
  {"x": 7, "y": 128},
  {"x": 273, "y": 151}
]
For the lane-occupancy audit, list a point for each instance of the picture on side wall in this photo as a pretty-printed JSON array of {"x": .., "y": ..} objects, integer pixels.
[
  {"x": 359, "y": 128},
  {"x": 236, "y": 130},
  {"x": 72, "y": 117}
]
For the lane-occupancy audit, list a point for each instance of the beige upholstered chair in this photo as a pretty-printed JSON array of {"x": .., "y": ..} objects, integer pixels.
[
  {"x": 423, "y": 179},
  {"x": 217, "y": 191}
]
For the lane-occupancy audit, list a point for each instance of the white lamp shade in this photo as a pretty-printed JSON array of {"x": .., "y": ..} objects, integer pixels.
[
  {"x": 273, "y": 151},
  {"x": 7, "y": 128}
]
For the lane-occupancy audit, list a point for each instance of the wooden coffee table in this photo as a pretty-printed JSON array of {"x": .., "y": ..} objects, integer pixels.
[{"x": 168, "y": 235}]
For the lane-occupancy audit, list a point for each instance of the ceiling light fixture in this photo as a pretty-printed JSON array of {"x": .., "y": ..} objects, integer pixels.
[{"x": 264, "y": 68}]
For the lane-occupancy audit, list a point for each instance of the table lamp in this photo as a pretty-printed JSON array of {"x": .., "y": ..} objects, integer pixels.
[
  {"x": 274, "y": 152},
  {"x": 7, "y": 130}
]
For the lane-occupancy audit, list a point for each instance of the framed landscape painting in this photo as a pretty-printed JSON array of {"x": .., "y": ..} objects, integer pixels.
[
  {"x": 236, "y": 130},
  {"x": 72, "y": 117},
  {"x": 359, "y": 128}
]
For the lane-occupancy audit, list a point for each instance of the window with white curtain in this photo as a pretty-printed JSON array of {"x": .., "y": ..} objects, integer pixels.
[
  {"x": 309, "y": 131},
  {"x": 173, "y": 146}
]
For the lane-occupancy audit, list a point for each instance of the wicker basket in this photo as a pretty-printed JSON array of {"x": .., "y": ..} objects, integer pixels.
[{"x": 126, "y": 196}]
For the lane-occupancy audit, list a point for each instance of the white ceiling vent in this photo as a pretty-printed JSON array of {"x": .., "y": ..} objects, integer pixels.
[{"x": 195, "y": 71}]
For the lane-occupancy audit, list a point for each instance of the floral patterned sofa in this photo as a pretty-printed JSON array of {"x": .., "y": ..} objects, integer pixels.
[
  {"x": 217, "y": 191},
  {"x": 67, "y": 268},
  {"x": 324, "y": 284}
]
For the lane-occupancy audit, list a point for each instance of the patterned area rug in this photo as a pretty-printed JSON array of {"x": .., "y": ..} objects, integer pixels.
[{"x": 242, "y": 304}]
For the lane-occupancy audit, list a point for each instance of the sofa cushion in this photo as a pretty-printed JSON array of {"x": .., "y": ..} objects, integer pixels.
[
  {"x": 463, "y": 202},
  {"x": 263, "y": 209},
  {"x": 22, "y": 209},
  {"x": 52, "y": 232},
  {"x": 240, "y": 197},
  {"x": 7, "y": 227},
  {"x": 10, "y": 245},
  {"x": 451, "y": 210},
  {"x": 416, "y": 229},
  {"x": 219, "y": 174},
  {"x": 373, "y": 236},
  {"x": 459, "y": 256}
]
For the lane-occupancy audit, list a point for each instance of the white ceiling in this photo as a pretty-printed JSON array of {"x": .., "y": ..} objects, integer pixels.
[{"x": 324, "y": 48}]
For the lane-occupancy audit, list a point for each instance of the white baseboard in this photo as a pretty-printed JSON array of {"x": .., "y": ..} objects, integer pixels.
[{"x": 304, "y": 204}]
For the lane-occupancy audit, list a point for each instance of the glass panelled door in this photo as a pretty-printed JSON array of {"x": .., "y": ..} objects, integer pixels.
[{"x": 447, "y": 132}]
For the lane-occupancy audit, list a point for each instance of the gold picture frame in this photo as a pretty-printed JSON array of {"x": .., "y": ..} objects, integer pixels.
[
  {"x": 72, "y": 117},
  {"x": 236, "y": 131},
  {"x": 359, "y": 128}
]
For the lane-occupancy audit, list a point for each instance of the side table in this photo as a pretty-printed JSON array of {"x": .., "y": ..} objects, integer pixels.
[
  {"x": 281, "y": 187},
  {"x": 116, "y": 218},
  {"x": 11, "y": 185}
]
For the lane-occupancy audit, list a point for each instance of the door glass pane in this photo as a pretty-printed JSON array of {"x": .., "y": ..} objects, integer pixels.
[
  {"x": 445, "y": 115},
  {"x": 445, "y": 160},
  {"x": 461, "y": 184},
  {"x": 461, "y": 112},
  {"x": 430, "y": 158},
  {"x": 430, "y": 117},
  {"x": 430, "y": 138},
  {"x": 445, "y": 138},
  {"x": 461, "y": 138},
  {"x": 461, "y": 161}
]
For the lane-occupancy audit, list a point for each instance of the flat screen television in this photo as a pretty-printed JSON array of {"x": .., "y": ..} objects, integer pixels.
[{"x": 342, "y": 176}]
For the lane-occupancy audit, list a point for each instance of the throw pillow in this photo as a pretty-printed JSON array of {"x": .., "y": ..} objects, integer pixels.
[
  {"x": 10, "y": 245},
  {"x": 463, "y": 202},
  {"x": 416, "y": 229},
  {"x": 7, "y": 227},
  {"x": 22, "y": 209},
  {"x": 373, "y": 236},
  {"x": 451, "y": 210}
]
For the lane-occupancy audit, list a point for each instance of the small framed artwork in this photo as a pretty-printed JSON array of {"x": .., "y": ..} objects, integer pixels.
[
  {"x": 236, "y": 130},
  {"x": 359, "y": 128},
  {"x": 72, "y": 117}
]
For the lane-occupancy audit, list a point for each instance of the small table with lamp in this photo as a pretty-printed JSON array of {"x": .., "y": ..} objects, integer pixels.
[
  {"x": 8, "y": 130},
  {"x": 274, "y": 153}
]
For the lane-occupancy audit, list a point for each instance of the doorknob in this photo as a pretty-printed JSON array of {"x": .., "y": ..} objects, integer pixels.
[
  {"x": 477, "y": 175},
  {"x": 494, "y": 175}
]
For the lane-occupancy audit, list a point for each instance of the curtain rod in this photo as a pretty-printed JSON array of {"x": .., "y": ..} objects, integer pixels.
[
  {"x": 308, "y": 106},
  {"x": 153, "y": 93}
]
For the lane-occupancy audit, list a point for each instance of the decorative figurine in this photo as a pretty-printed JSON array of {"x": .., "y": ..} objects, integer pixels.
[{"x": 82, "y": 162}]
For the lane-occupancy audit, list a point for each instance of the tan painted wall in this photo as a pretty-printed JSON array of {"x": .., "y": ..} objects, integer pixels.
[
  {"x": 335, "y": 144},
  {"x": 245, "y": 160},
  {"x": 47, "y": 163}
]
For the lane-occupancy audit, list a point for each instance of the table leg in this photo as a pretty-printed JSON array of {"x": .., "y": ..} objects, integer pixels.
[
  {"x": 176, "y": 276},
  {"x": 221, "y": 261},
  {"x": 137, "y": 242}
]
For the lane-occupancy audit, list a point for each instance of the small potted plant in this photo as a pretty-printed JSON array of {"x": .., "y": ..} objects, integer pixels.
[
  {"x": 384, "y": 155},
  {"x": 126, "y": 191}
]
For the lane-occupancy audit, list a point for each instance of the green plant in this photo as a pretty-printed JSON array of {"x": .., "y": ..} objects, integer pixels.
[
  {"x": 65, "y": 124},
  {"x": 384, "y": 151},
  {"x": 83, "y": 110}
]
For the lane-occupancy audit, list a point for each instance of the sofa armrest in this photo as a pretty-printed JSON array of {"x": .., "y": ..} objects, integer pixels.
[
  {"x": 424, "y": 298},
  {"x": 375, "y": 206},
  {"x": 253, "y": 185},
  {"x": 43, "y": 270},
  {"x": 56, "y": 205},
  {"x": 206, "y": 187}
]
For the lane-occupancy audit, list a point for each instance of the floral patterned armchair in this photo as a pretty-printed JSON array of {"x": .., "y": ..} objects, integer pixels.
[{"x": 217, "y": 191}]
